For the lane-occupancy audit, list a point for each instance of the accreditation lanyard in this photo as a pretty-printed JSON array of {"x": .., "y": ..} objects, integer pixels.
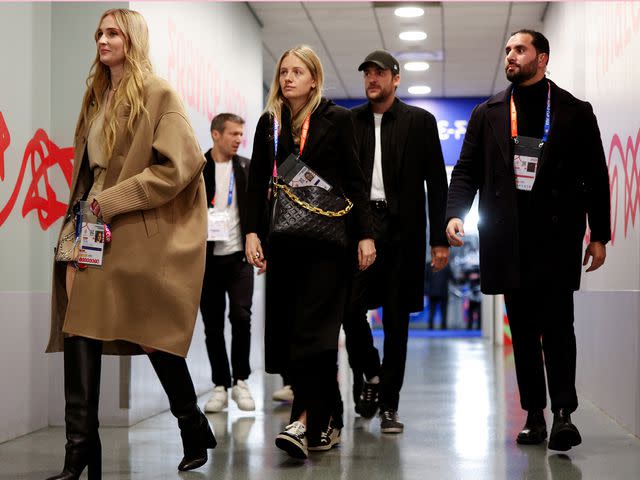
[
  {"x": 527, "y": 150},
  {"x": 547, "y": 119},
  {"x": 232, "y": 182},
  {"x": 303, "y": 139}
]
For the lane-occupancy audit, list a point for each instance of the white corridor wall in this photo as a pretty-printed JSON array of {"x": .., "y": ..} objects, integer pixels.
[
  {"x": 211, "y": 53},
  {"x": 594, "y": 52}
]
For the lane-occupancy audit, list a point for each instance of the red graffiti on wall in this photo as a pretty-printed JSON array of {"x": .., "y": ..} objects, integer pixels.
[
  {"x": 41, "y": 154},
  {"x": 624, "y": 177}
]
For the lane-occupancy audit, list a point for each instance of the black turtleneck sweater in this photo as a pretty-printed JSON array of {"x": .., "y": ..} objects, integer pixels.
[{"x": 531, "y": 105}]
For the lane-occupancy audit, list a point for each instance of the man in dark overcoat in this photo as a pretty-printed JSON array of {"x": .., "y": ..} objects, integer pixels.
[
  {"x": 535, "y": 154},
  {"x": 399, "y": 149}
]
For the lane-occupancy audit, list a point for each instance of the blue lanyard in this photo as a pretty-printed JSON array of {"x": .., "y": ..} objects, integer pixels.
[
  {"x": 276, "y": 131},
  {"x": 547, "y": 118},
  {"x": 232, "y": 182}
]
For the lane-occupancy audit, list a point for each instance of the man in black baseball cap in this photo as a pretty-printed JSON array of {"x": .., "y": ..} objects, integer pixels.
[
  {"x": 399, "y": 149},
  {"x": 382, "y": 59}
]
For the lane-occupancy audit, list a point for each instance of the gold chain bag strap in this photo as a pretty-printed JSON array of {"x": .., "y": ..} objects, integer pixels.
[
  {"x": 67, "y": 250},
  {"x": 310, "y": 212}
]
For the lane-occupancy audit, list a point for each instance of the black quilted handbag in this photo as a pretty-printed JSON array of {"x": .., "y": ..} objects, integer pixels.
[{"x": 310, "y": 212}]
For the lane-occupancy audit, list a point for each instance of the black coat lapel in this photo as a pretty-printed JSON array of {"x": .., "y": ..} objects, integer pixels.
[
  {"x": 401, "y": 127},
  {"x": 240, "y": 176},
  {"x": 498, "y": 118},
  {"x": 318, "y": 127},
  {"x": 558, "y": 117},
  {"x": 365, "y": 139}
]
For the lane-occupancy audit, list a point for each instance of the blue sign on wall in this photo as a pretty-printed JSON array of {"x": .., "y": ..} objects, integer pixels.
[{"x": 452, "y": 115}]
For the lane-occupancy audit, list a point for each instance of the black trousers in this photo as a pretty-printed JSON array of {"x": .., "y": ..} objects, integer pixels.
[
  {"x": 315, "y": 388},
  {"x": 227, "y": 275},
  {"x": 380, "y": 282},
  {"x": 542, "y": 333}
]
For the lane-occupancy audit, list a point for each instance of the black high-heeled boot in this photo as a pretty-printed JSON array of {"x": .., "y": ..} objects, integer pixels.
[
  {"x": 82, "y": 365},
  {"x": 195, "y": 431}
]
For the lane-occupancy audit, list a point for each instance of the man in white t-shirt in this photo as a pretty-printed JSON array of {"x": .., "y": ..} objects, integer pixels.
[{"x": 227, "y": 273}]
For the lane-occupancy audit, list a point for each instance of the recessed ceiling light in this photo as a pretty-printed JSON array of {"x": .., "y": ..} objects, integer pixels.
[
  {"x": 416, "y": 66},
  {"x": 420, "y": 90},
  {"x": 412, "y": 36},
  {"x": 408, "y": 12}
]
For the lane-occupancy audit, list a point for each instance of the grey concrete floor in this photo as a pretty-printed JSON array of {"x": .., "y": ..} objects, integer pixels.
[{"x": 461, "y": 414}]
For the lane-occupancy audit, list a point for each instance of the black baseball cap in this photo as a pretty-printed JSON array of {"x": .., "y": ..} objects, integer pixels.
[{"x": 382, "y": 59}]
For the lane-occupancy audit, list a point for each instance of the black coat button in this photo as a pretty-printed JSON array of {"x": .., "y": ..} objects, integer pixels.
[{"x": 554, "y": 219}]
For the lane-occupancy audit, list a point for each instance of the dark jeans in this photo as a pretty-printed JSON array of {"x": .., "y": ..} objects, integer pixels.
[
  {"x": 542, "y": 322},
  {"x": 232, "y": 275},
  {"x": 381, "y": 281},
  {"x": 475, "y": 315},
  {"x": 315, "y": 391},
  {"x": 434, "y": 301}
]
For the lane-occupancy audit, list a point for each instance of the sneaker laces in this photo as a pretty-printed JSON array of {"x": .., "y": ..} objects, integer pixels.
[
  {"x": 368, "y": 393},
  {"x": 389, "y": 415},
  {"x": 296, "y": 428}
]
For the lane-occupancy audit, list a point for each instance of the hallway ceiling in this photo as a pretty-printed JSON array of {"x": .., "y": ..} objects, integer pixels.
[{"x": 464, "y": 44}]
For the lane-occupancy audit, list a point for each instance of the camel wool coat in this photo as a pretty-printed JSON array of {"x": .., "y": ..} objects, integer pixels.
[{"x": 148, "y": 290}]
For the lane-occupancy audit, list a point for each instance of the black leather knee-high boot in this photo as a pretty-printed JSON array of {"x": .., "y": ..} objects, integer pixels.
[
  {"x": 195, "y": 431},
  {"x": 82, "y": 365}
]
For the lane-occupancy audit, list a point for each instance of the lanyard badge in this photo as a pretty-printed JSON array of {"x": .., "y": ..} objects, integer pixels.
[
  {"x": 527, "y": 150},
  {"x": 219, "y": 222},
  {"x": 303, "y": 140},
  {"x": 90, "y": 231}
]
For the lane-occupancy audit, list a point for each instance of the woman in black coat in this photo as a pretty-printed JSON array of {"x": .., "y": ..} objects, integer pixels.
[{"x": 306, "y": 279}]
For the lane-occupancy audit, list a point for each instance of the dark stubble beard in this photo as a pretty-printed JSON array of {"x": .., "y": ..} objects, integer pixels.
[
  {"x": 526, "y": 72},
  {"x": 380, "y": 98}
]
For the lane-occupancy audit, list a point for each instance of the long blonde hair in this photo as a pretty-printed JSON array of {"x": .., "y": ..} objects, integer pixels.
[
  {"x": 276, "y": 99},
  {"x": 129, "y": 92}
]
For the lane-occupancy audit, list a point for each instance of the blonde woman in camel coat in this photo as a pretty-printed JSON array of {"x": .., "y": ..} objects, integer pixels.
[{"x": 138, "y": 163}]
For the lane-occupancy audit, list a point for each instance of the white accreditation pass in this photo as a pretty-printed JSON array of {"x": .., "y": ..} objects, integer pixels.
[
  {"x": 525, "y": 167},
  {"x": 91, "y": 237},
  {"x": 219, "y": 224},
  {"x": 526, "y": 154}
]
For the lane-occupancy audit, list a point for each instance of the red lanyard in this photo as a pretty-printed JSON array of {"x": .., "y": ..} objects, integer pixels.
[{"x": 304, "y": 132}]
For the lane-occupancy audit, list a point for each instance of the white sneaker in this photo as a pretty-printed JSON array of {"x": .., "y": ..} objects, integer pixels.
[
  {"x": 242, "y": 396},
  {"x": 218, "y": 401},
  {"x": 284, "y": 394},
  {"x": 293, "y": 440}
]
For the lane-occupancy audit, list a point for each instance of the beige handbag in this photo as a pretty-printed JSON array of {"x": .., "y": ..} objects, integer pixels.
[{"x": 67, "y": 250}]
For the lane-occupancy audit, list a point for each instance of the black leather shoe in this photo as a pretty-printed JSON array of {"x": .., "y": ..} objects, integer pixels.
[
  {"x": 368, "y": 401},
  {"x": 564, "y": 434},
  {"x": 535, "y": 429}
]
